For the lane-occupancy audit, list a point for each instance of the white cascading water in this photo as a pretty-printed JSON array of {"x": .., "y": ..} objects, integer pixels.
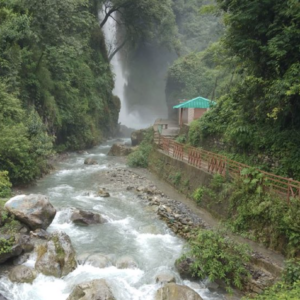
[
  {"x": 127, "y": 117},
  {"x": 132, "y": 230}
]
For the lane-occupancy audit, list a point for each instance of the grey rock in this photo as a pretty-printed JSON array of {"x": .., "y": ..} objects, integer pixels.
[
  {"x": 22, "y": 274},
  {"x": 57, "y": 256},
  {"x": 172, "y": 291},
  {"x": 165, "y": 278},
  {"x": 82, "y": 217},
  {"x": 97, "y": 260},
  {"x": 34, "y": 210},
  {"x": 119, "y": 150},
  {"x": 90, "y": 161},
  {"x": 183, "y": 267},
  {"x": 103, "y": 193},
  {"x": 93, "y": 290},
  {"x": 126, "y": 262},
  {"x": 41, "y": 234}
]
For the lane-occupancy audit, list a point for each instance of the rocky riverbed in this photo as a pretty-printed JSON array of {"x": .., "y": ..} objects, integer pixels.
[
  {"x": 111, "y": 214},
  {"x": 106, "y": 238}
]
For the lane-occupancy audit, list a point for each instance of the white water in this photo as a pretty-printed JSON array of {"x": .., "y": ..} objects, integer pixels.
[
  {"x": 126, "y": 233},
  {"x": 128, "y": 117}
]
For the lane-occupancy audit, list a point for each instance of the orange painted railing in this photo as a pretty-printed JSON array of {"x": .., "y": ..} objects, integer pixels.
[{"x": 219, "y": 164}]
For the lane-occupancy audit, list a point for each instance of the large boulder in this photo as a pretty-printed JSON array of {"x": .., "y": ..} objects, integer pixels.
[
  {"x": 57, "y": 256},
  {"x": 93, "y": 290},
  {"x": 13, "y": 245},
  {"x": 172, "y": 291},
  {"x": 137, "y": 137},
  {"x": 119, "y": 150},
  {"x": 90, "y": 161},
  {"x": 82, "y": 217},
  {"x": 22, "y": 274},
  {"x": 34, "y": 210}
]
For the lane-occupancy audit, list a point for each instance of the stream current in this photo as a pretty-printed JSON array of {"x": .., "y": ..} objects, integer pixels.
[{"x": 132, "y": 230}]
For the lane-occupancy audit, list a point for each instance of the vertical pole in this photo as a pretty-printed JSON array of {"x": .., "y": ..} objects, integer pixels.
[{"x": 289, "y": 190}]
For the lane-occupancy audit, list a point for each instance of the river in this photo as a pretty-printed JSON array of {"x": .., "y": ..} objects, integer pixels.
[{"x": 132, "y": 230}]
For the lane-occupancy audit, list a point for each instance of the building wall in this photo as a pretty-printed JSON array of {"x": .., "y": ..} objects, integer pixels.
[
  {"x": 185, "y": 116},
  {"x": 190, "y": 115},
  {"x": 198, "y": 113}
]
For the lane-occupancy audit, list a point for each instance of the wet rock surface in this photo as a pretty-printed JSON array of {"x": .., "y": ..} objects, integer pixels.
[
  {"x": 82, "y": 217},
  {"x": 165, "y": 278},
  {"x": 57, "y": 256},
  {"x": 103, "y": 193},
  {"x": 97, "y": 260},
  {"x": 22, "y": 274},
  {"x": 90, "y": 161},
  {"x": 126, "y": 262},
  {"x": 34, "y": 210},
  {"x": 172, "y": 291},
  {"x": 119, "y": 150},
  {"x": 93, "y": 290}
]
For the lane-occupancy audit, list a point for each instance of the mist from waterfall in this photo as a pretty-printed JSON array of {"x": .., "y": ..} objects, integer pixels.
[{"x": 139, "y": 81}]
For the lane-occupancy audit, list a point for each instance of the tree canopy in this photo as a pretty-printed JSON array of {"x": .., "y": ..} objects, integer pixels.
[{"x": 55, "y": 83}]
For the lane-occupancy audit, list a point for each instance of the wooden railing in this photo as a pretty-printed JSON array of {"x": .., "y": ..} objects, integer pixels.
[{"x": 219, "y": 164}]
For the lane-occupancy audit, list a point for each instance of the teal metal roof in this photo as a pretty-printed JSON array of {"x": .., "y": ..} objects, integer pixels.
[{"x": 198, "y": 102}]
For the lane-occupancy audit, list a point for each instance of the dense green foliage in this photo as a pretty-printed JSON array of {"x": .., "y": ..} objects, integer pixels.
[
  {"x": 218, "y": 257},
  {"x": 140, "y": 157},
  {"x": 257, "y": 212},
  {"x": 254, "y": 76},
  {"x": 5, "y": 185},
  {"x": 197, "y": 73},
  {"x": 196, "y": 31},
  {"x": 55, "y": 83}
]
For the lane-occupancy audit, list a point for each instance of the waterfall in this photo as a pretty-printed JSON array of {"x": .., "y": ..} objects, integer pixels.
[
  {"x": 127, "y": 118},
  {"x": 139, "y": 83}
]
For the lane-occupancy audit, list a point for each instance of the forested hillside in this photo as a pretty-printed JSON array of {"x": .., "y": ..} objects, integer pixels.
[
  {"x": 253, "y": 74},
  {"x": 55, "y": 83}
]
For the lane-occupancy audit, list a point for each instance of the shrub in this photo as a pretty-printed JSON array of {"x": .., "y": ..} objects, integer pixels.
[
  {"x": 218, "y": 257},
  {"x": 198, "y": 194},
  {"x": 5, "y": 185},
  {"x": 139, "y": 158}
]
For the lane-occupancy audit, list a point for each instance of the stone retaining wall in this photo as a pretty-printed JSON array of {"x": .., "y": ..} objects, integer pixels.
[{"x": 186, "y": 178}]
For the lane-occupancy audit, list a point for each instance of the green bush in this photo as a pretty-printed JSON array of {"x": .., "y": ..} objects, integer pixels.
[
  {"x": 181, "y": 139},
  {"x": 139, "y": 158},
  {"x": 198, "y": 194},
  {"x": 218, "y": 257},
  {"x": 6, "y": 245},
  {"x": 291, "y": 272},
  {"x": 5, "y": 185},
  {"x": 280, "y": 291}
]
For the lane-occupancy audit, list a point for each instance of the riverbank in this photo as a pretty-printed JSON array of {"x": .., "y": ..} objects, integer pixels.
[
  {"x": 133, "y": 229},
  {"x": 182, "y": 216}
]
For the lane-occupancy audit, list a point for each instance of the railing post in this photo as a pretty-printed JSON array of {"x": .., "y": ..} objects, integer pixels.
[{"x": 289, "y": 190}]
